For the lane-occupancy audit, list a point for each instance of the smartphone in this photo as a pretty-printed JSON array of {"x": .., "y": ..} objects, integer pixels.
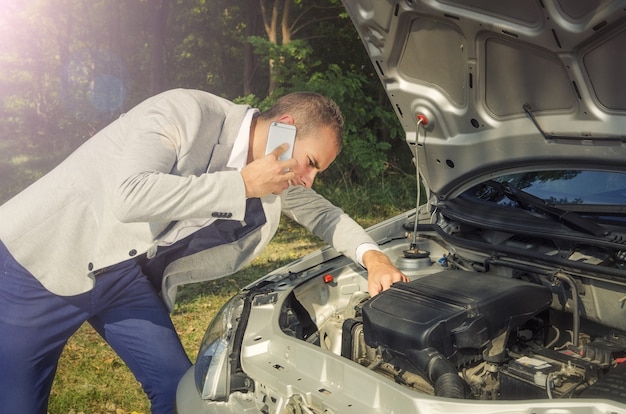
[{"x": 279, "y": 134}]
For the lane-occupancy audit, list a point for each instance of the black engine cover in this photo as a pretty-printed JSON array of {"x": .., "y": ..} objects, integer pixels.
[{"x": 450, "y": 311}]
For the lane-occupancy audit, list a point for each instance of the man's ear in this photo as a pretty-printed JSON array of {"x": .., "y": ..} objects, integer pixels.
[{"x": 286, "y": 119}]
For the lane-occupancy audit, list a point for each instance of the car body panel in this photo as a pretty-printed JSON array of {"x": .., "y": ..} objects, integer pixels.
[
  {"x": 470, "y": 68},
  {"x": 290, "y": 372}
]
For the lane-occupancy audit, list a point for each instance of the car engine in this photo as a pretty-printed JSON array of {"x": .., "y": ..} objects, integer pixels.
[
  {"x": 492, "y": 339},
  {"x": 485, "y": 316}
]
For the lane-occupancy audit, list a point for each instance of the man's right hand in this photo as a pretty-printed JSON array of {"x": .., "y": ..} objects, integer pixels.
[{"x": 267, "y": 175}]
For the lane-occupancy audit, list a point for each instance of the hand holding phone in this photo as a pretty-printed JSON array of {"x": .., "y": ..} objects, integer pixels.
[
  {"x": 279, "y": 134},
  {"x": 261, "y": 176}
]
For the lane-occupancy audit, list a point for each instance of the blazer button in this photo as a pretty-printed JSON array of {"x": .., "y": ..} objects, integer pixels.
[
  {"x": 215, "y": 214},
  {"x": 90, "y": 266},
  {"x": 132, "y": 252},
  {"x": 229, "y": 215}
]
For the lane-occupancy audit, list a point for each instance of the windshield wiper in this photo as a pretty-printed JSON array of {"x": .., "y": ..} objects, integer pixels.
[{"x": 569, "y": 218}]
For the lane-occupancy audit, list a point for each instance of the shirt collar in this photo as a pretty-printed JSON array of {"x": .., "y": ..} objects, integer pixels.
[{"x": 239, "y": 154}]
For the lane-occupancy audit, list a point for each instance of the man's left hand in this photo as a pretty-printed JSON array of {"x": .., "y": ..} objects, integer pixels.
[{"x": 381, "y": 273}]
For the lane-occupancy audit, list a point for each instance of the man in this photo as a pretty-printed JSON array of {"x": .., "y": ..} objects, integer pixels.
[{"x": 178, "y": 190}]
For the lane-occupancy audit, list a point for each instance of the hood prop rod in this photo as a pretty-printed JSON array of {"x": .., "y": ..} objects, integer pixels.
[{"x": 414, "y": 252}]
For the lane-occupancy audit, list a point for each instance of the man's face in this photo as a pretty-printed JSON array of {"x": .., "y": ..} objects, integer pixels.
[{"x": 314, "y": 153}]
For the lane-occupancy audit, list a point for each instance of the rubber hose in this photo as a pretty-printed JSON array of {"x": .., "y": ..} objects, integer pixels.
[{"x": 440, "y": 372}]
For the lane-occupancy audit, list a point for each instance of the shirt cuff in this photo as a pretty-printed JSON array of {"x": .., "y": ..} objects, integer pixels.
[{"x": 365, "y": 247}]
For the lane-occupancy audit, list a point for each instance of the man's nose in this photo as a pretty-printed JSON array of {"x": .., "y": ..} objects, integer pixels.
[{"x": 308, "y": 178}]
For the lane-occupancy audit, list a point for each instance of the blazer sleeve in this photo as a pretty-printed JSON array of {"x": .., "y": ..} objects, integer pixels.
[
  {"x": 325, "y": 220},
  {"x": 166, "y": 146}
]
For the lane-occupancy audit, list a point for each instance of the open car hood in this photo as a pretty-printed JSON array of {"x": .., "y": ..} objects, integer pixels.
[{"x": 501, "y": 86}]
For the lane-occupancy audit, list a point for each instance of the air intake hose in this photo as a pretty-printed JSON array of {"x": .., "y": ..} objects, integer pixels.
[{"x": 440, "y": 372}]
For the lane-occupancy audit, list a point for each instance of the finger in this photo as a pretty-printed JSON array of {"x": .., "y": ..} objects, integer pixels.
[
  {"x": 386, "y": 283},
  {"x": 400, "y": 277},
  {"x": 288, "y": 176},
  {"x": 281, "y": 187},
  {"x": 288, "y": 165},
  {"x": 279, "y": 150},
  {"x": 371, "y": 290},
  {"x": 374, "y": 289}
]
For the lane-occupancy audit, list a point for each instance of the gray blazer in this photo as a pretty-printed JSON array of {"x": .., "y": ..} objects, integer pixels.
[{"x": 163, "y": 161}]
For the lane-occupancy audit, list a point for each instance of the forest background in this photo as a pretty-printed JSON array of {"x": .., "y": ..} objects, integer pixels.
[{"x": 70, "y": 67}]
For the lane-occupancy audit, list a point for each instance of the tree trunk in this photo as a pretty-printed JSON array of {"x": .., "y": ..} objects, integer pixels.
[
  {"x": 280, "y": 9},
  {"x": 249, "y": 59},
  {"x": 159, "y": 32}
]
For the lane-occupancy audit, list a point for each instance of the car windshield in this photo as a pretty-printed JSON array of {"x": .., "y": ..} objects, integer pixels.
[{"x": 561, "y": 187}]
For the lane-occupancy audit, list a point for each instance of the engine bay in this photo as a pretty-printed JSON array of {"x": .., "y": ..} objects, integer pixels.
[
  {"x": 489, "y": 340},
  {"x": 462, "y": 330}
]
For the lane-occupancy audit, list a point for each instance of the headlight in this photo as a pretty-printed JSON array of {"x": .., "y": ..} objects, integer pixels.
[{"x": 212, "y": 369}]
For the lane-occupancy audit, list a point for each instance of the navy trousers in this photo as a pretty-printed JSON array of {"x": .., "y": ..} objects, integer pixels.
[{"x": 123, "y": 308}]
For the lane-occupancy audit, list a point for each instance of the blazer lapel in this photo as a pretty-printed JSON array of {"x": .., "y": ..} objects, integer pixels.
[{"x": 230, "y": 130}]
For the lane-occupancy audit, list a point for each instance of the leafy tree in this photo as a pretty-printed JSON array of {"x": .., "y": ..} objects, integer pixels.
[
  {"x": 282, "y": 21},
  {"x": 328, "y": 57},
  {"x": 68, "y": 67},
  {"x": 64, "y": 67}
]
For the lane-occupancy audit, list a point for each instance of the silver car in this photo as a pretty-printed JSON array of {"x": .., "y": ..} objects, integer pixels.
[{"x": 515, "y": 116}]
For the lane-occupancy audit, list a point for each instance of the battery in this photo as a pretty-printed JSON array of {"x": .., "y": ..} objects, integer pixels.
[{"x": 525, "y": 377}]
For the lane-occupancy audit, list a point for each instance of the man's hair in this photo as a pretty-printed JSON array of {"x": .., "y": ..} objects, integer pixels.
[{"x": 310, "y": 111}]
